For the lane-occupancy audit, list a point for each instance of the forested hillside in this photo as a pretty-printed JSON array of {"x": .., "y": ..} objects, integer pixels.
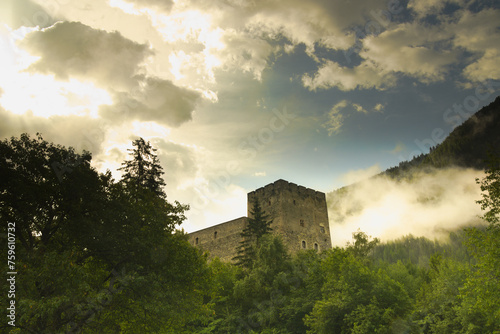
[{"x": 468, "y": 145}]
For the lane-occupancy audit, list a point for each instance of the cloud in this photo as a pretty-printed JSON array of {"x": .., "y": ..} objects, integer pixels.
[
  {"x": 479, "y": 33},
  {"x": 379, "y": 107},
  {"x": 400, "y": 147},
  {"x": 411, "y": 49},
  {"x": 335, "y": 117},
  {"x": 19, "y": 13},
  {"x": 427, "y": 53},
  {"x": 406, "y": 49},
  {"x": 359, "y": 108},
  {"x": 161, "y": 5},
  {"x": 427, "y": 205},
  {"x": 154, "y": 100},
  {"x": 360, "y": 174},
  {"x": 430, "y": 7},
  {"x": 364, "y": 76},
  {"x": 72, "y": 49},
  {"x": 80, "y": 132}
]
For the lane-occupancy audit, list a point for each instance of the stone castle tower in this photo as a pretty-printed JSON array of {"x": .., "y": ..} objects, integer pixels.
[{"x": 299, "y": 215}]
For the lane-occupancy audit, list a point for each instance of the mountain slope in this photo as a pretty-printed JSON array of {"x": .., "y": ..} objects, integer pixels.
[{"x": 468, "y": 145}]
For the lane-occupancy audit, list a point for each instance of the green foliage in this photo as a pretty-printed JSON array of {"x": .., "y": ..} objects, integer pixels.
[
  {"x": 438, "y": 302},
  {"x": 481, "y": 292},
  {"x": 258, "y": 225},
  {"x": 490, "y": 186},
  {"x": 418, "y": 250},
  {"x": 357, "y": 298},
  {"x": 98, "y": 256},
  {"x": 144, "y": 169},
  {"x": 93, "y": 255},
  {"x": 468, "y": 145}
]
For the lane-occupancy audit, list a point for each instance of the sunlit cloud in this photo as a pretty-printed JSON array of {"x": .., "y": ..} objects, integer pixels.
[
  {"x": 430, "y": 205},
  {"x": 43, "y": 96},
  {"x": 38, "y": 94},
  {"x": 358, "y": 175},
  {"x": 201, "y": 78}
]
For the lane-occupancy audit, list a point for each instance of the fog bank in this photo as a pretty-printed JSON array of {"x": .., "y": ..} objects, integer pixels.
[{"x": 429, "y": 205}]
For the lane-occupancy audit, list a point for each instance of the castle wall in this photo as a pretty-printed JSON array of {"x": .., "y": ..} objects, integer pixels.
[
  {"x": 220, "y": 240},
  {"x": 299, "y": 215}
]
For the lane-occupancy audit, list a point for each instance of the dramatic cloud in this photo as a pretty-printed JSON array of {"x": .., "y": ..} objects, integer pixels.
[
  {"x": 428, "y": 205},
  {"x": 412, "y": 50},
  {"x": 154, "y": 100},
  {"x": 201, "y": 79},
  {"x": 364, "y": 76},
  {"x": 480, "y": 34},
  {"x": 72, "y": 49}
]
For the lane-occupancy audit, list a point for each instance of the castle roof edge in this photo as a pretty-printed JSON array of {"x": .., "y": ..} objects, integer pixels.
[
  {"x": 289, "y": 184},
  {"x": 217, "y": 225}
]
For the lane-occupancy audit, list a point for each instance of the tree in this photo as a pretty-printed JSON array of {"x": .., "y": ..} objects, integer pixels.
[
  {"x": 356, "y": 297},
  {"x": 144, "y": 169},
  {"x": 481, "y": 292},
  {"x": 92, "y": 255},
  {"x": 258, "y": 226}
]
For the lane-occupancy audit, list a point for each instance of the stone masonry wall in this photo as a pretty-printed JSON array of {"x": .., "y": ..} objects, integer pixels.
[
  {"x": 299, "y": 215},
  {"x": 220, "y": 240}
]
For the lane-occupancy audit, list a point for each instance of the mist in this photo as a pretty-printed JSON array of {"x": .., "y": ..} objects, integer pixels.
[{"x": 428, "y": 204}]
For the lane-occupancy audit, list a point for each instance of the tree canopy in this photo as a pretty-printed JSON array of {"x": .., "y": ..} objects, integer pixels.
[
  {"x": 91, "y": 255},
  {"x": 98, "y": 256},
  {"x": 258, "y": 225},
  {"x": 143, "y": 169}
]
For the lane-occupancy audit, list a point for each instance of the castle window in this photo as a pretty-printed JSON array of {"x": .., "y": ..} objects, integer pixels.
[
  {"x": 215, "y": 235},
  {"x": 302, "y": 222},
  {"x": 304, "y": 244},
  {"x": 196, "y": 241},
  {"x": 322, "y": 229},
  {"x": 294, "y": 202},
  {"x": 316, "y": 247}
]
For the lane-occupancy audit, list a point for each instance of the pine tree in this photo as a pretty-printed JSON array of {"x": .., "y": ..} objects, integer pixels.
[
  {"x": 144, "y": 168},
  {"x": 258, "y": 226}
]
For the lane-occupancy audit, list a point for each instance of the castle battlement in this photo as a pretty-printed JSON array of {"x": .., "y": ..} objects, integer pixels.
[
  {"x": 282, "y": 185},
  {"x": 299, "y": 215}
]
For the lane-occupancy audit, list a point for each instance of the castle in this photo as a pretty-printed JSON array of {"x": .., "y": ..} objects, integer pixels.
[{"x": 299, "y": 216}]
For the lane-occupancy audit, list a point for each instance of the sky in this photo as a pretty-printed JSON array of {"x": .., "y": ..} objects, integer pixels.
[{"x": 237, "y": 94}]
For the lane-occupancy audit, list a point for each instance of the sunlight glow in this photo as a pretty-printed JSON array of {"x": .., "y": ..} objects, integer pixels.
[
  {"x": 152, "y": 129},
  {"x": 42, "y": 95},
  {"x": 126, "y": 7},
  {"x": 177, "y": 59},
  {"x": 197, "y": 29}
]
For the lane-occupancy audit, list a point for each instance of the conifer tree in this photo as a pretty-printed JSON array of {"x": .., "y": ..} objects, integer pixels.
[
  {"x": 258, "y": 226},
  {"x": 144, "y": 169}
]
